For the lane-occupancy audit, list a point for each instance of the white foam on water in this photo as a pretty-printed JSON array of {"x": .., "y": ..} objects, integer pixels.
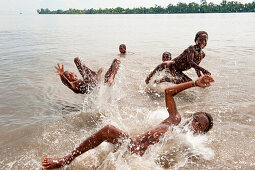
[
  {"x": 158, "y": 88},
  {"x": 173, "y": 151},
  {"x": 198, "y": 143},
  {"x": 10, "y": 164}
]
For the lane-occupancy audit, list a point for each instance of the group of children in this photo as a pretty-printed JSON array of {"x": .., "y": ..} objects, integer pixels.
[
  {"x": 202, "y": 122},
  {"x": 190, "y": 58}
]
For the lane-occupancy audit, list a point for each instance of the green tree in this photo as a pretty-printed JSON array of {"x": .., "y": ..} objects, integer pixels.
[
  {"x": 203, "y": 6},
  {"x": 193, "y": 8},
  {"x": 59, "y": 11},
  {"x": 182, "y": 7},
  {"x": 224, "y": 6}
]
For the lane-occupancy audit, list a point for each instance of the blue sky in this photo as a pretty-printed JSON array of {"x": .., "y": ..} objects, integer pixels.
[{"x": 30, "y": 6}]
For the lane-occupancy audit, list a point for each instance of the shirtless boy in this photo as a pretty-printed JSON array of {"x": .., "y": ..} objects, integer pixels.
[
  {"x": 201, "y": 123},
  {"x": 123, "y": 50},
  {"x": 190, "y": 58},
  {"x": 89, "y": 77}
]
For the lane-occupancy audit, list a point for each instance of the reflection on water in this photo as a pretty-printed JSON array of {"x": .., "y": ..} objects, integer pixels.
[{"x": 41, "y": 117}]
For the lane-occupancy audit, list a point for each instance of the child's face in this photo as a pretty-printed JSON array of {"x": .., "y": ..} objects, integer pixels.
[
  {"x": 71, "y": 76},
  {"x": 165, "y": 57},
  {"x": 199, "y": 123},
  {"x": 202, "y": 41},
  {"x": 122, "y": 50}
]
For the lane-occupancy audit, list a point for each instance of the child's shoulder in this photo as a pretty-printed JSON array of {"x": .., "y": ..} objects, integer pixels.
[{"x": 190, "y": 48}]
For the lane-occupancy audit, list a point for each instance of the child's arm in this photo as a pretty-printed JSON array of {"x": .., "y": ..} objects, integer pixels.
[
  {"x": 72, "y": 85},
  {"x": 203, "y": 81},
  {"x": 198, "y": 73},
  {"x": 147, "y": 80},
  {"x": 160, "y": 67}
]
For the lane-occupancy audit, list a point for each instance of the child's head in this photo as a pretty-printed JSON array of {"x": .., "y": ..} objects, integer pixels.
[
  {"x": 166, "y": 56},
  {"x": 201, "y": 39},
  {"x": 70, "y": 76},
  {"x": 202, "y": 122},
  {"x": 199, "y": 33},
  {"x": 122, "y": 48}
]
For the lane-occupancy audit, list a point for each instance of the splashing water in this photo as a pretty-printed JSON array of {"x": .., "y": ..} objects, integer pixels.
[
  {"x": 175, "y": 149},
  {"x": 40, "y": 117}
]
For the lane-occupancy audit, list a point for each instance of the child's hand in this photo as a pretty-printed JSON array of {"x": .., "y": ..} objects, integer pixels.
[
  {"x": 59, "y": 70},
  {"x": 167, "y": 63},
  {"x": 204, "y": 81}
]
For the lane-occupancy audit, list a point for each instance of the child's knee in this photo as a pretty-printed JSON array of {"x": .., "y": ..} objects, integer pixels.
[
  {"x": 108, "y": 131},
  {"x": 109, "y": 128},
  {"x": 76, "y": 60}
]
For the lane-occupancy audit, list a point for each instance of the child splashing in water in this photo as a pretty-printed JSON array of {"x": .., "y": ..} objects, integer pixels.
[
  {"x": 166, "y": 62},
  {"x": 90, "y": 78},
  {"x": 190, "y": 58},
  {"x": 202, "y": 122}
]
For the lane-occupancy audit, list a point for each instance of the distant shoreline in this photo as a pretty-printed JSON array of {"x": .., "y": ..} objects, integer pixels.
[{"x": 180, "y": 8}]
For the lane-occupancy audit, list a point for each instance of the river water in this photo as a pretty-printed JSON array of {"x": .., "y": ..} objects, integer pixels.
[{"x": 41, "y": 117}]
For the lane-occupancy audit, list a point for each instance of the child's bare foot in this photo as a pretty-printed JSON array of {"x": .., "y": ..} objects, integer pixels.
[
  {"x": 78, "y": 63},
  {"x": 115, "y": 64},
  {"x": 110, "y": 74},
  {"x": 114, "y": 68},
  {"x": 50, "y": 163},
  {"x": 99, "y": 72}
]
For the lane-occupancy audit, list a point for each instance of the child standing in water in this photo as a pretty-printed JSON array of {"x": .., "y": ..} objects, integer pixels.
[{"x": 190, "y": 58}]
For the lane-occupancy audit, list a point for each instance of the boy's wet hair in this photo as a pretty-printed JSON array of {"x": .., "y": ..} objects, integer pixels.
[
  {"x": 210, "y": 120},
  {"x": 123, "y": 45},
  {"x": 166, "y": 52},
  {"x": 200, "y": 33}
]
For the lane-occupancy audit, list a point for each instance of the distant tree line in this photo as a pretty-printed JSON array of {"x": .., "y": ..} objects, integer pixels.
[{"x": 204, "y": 7}]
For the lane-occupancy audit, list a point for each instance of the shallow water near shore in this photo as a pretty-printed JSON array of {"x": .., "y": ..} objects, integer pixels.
[{"x": 40, "y": 117}]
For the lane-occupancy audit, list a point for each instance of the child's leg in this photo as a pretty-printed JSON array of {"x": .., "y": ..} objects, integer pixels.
[
  {"x": 112, "y": 71},
  {"x": 99, "y": 72},
  {"x": 109, "y": 133},
  {"x": 86, "y": 73}
]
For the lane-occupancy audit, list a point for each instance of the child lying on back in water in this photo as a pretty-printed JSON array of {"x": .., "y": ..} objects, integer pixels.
[
  {"x": 190, "y": 58},
  {"x": 89, "y": 77},
  {"x": 201, "y": 123}
]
